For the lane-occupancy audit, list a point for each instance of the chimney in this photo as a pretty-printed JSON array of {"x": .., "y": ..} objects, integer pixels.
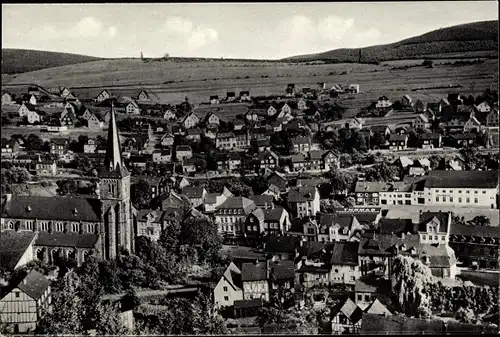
[
  {"x": 24, "y": 281},
  {"x": 8, "y": 197},
  {"x": 257, "y": 262}
]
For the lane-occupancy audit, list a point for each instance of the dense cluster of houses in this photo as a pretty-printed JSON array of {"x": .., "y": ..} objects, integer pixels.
[{"x": 301, "y": 246}]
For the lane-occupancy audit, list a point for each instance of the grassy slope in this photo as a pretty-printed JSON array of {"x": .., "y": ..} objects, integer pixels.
[
  {"x": 472, "y": 37},
  {"x": 24, "y": 60}
]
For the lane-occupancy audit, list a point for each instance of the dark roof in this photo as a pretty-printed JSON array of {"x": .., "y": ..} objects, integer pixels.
[
  {"x": 471, "y": 230},
  {"x": 430, "y": 136},
  {"x": 302, "y": 194},
  {"x": 344, "y": 253},
  {"x": 183, "y": 148},
  {"x": 261, "y": 200},
  {"x": 349, "y": 309},
  {"x": 251, "y": 271},
  {"x": 53, "y": 208},
  {"x": 442, "y": 218},
  {"x": 12, "y": 247},
  {"x": 34, "y": 284},
  {"x": 397, "y": 137},
  {"x": 243, "y": 304},
  {"x": 70, "y": 239},
  {"x": 281, "y": 244},
  {"x": 464, "y": 179},
  {"x": 282, "y": 270},
  {"x": 362, "y": 287},
  {"x": 396, "y": 226},
  {"x": 343, "y": 220},
  {"x": 193, "y": 191},
  {"x": 379, "y": 325},
  {"x": 273, "y": 214}
]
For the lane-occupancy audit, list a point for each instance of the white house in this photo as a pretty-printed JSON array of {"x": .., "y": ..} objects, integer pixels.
[
  {"x": 132, "y": 108},
  {"x": 229, "y": 287},
  {"x": 383, "y": 102}
]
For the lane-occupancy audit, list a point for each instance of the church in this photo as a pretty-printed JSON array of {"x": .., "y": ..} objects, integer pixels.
[{"x": 73, "y": 227}]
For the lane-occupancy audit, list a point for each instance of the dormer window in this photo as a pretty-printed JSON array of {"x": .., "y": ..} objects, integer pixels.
[
  {"x": 28, "y": 208},
  {"x": 75, "y": 212}
]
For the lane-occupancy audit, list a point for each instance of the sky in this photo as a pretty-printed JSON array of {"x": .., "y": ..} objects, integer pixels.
[{"x": 229, "y": 30}]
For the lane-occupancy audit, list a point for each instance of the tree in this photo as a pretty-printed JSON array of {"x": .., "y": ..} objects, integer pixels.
[
  {"x": 202, "y": 234},
  {"x": 33, "y": 143},
  {"x": 465, "y": 315},
  {"x": 66, "y": 187},
  {"x": 479, "y": 220},
  {"x": 140, "y": 192},
  {"x": 342, "y": 182},
  {"x": 378, "y": 140},
  {"x": 109, "y": 322},
  {"x": 82, "y": 163},
  {"x": 409, "y": 280},
  {"x": 65, "y": 317}
]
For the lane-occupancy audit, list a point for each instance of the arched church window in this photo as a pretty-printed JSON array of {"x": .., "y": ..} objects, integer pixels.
[
  {"x": 10, "y": 225},
  {"x": 75, "y": 227},
  {"x": 44, "y": 226}
]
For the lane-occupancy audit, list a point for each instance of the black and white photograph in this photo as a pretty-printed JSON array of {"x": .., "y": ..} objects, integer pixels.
[{"x": 286, "y": 168}]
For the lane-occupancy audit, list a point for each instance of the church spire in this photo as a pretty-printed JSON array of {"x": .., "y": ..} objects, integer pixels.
[{"x": 113, "y": 159}]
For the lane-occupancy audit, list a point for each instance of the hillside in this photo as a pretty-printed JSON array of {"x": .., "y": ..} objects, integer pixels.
[
  {"x": 471, "y": 37},
  {"x": 23, "y": 60}
]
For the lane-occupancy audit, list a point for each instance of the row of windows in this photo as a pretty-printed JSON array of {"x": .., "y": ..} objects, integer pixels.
[
  {"x": 459, "y": 199},
  {"x": 434, "y": 237},
  {"x": 460, "y": 191},
  {"x": 57, "y": 226}
]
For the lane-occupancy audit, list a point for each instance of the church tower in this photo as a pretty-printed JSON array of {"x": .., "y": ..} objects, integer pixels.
[{"x": 114, "y": 193}]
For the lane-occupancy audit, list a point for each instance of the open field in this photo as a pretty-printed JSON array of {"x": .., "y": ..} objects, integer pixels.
[{"x": 200, "y": 79}]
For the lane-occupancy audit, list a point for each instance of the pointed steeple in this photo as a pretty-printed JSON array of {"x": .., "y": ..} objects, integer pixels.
[{"x": 113, "y": 159}]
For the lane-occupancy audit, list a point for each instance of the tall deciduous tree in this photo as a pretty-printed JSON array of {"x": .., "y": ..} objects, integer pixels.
[{"x": 409, "y": 280}]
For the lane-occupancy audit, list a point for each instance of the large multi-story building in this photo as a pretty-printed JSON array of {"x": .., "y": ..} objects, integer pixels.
[{"x": 75, "y": 227}]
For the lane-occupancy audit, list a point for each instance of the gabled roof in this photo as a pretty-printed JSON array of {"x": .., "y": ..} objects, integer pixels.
[
  {"x": 193, "y": 191},
  {"x": 281, "y": 270},
  {"x": 243, "y": 203},
  {"x": 274, "y": 214},
  {"x": 363, "y": 287},
  {"x": 377, "y": 308},
  {"x": 365, "y": 186},
  {"x": 34, "y": 284},
  {"x": 349, "y": 309},
  {"x": 251, "y": 271},
  {"x": 302, "y": 194},
  {"x": 441, "y": 218},
  {"x": 344, "y": 253},
  {"x": 12, "y": 247},
  {"x": 53, "y": 208},
  {"x": 463, "y": 179},
  {"x": 471, "y": 230},
  {"x": 397, "y": 137},
  {"x": 262, "y": 200},
  {"x": 396, "y": 226}
]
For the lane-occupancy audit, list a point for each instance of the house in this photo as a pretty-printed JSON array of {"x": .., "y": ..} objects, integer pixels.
[
  {"x": 248, "y": 308},
  {"x": 245, "y": 96},
  {"x": 212, "y": 118},
  {"x": 169, "y": 115},
  {"x": 183, "y": 152},
  {"x": 145, "y": 96},
  {"x": 383, "y": 102},
  {"x": 103, "y": 95},
  {"x": 346, "y": 318},
  {"x": 462, "y": 188},
  {"x": 95, "y": 122},
  {"x": 406, "y": 101},
  {"x": 472, "y": 125},
  {"x": 213, "y": 200},
  {"x": 398, "y": 142},
  {"x": 24, "y": 305},
  {"x": 189, "y": 165},
  {"x": 419, "y": 106},
  {"x": 364, "y": 294},
  {"x": 301, "y": 144},
  {"x": 254, "y": 277},
  {"x": 352, "y": 89},
  {"x": 253, "y": 114},
  {"x": 10, "y": 146},
  {"x": 421, "y": 122},
  {"x": 68, "y": 118},
  {"x": 214, "y": 99},
  {"x": 431, "y": 140},
  {"x": 338, "y": 227},
  {"x": 167, "y": 139},
  {"x": 263, "y": 201},
  {"x": 475, "y": 246},
  {"x": 162, "y": 156},
  {"x": 196, "y": 194},
  {"x": 492, "y": 118},
  {"x": 132, "y": 108},
  {"x": 225, "y": 140},
  {"x": 59, "y": 146},
  {"x": 368, "y": 193},
  {"x": 463, "y": 139},
  {"x": 281, "y": 275},
  {"x": 229, "y": 288},
  {"x": 344, "y": 263},
  {"x": 302, "y": 104},
  {"x": 271, "y": 110},
  {"x": 24, "y": 109},
  {"x": 193, "y": 134},
  {"x": 48, "y": 167},
  {"x": 281, "y": 247},
  {"x": 278, "y": 180},
  {"x": 7, "y": 98},
  {"x": 16, "y": 249},
  {"x": 483, "y": 107},
  {"x": 382, "y": 129},
  {"x": 150, "y": 223},
  {"x": 355, "y": 123},
  {"x": 230, "y": 215},
  {"x": 190, "y": 121},
  {"x": 290, "y": 90},
  {"x": 268, "y": 160},
  {"x": 304, "y": 201}
]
